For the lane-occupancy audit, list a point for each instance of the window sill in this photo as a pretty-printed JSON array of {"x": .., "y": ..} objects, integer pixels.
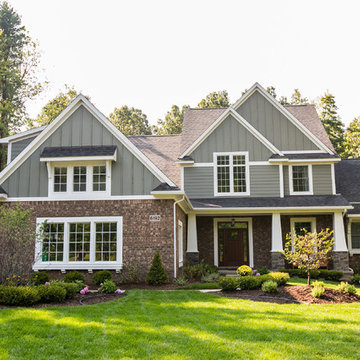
[
  {"x": 301, "y": 193},
  {"x": 232, "y": 194},
  {"x": 111, "y": 265}
]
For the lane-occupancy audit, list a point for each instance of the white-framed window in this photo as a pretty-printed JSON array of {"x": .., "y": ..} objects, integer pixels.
[
  {"x": 353, "y": 235},
  {"x": 79, "y": 180},
  {"x": 79, "y": 243},
  {"x": 180, "y": 236},
  {"x": 231, "y": 174},
  {"x": 298, "y": 225},
  {"x": 300, "y": 180}
]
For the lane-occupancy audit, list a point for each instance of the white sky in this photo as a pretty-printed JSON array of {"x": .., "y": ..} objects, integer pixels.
[{"x": 153, "y": 54}]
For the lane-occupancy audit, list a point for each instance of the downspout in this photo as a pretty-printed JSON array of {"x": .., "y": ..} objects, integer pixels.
[{"x": 175, "y": 203}]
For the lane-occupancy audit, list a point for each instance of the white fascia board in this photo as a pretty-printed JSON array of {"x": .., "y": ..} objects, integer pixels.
[
  {"x": 79, "y": 158},
  {"x": 285, "y": 112},
  {"x": 166, "y": 193},
  {"x": 185, "y": 163},
  {"x": 242, "y": 121},
  {"x": 60, "y": 119},
  {"x": 24, "y": 134},
  {"x": 304, "y": 161}
]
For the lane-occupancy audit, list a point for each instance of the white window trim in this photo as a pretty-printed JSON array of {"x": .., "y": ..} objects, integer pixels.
[
  {"x": 180, "y": 238},
  {"x": 247, "y": 173},
  {"x": 70, "y": 194},
  {"x": 294, "y": 220},
  {"x": 351, "y": 250},
  {"x": 250, "y": 235},
  {"x": 80, "y": 265},
  {"x": 291, "y": 185}
]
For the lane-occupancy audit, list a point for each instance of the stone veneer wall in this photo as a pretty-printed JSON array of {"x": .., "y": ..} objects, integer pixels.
[{"x": 141, "y": 238}]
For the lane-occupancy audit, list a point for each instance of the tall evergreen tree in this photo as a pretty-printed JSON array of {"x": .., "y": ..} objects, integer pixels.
[
  {"x": 130, "y": 121},
  {"x": 172, "y": 124},
  {"x": 19, "y": 59},
  {"x": 352, "y": 140},
  {"x": 332, "y": 122},
  {"x": 216, "y": 99}
]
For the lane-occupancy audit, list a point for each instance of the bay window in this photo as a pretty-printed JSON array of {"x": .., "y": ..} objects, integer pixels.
[
  {"x": 231, "y": 173},
  {"x": 79, "y": 243}
]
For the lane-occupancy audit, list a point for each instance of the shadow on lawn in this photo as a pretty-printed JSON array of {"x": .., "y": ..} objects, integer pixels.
[{"x": 157, "y": 324}]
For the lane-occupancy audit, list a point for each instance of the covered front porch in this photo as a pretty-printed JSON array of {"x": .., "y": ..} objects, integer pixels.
[{"x": 229, "y": 240}]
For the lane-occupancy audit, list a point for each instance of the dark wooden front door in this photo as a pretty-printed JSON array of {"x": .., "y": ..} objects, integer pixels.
[{"x": 233, "y": 243}]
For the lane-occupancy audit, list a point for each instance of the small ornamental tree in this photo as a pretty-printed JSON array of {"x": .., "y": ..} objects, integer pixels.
[
  {"x": 157, "y": 274},
  {"x": 308, "y": 251}
]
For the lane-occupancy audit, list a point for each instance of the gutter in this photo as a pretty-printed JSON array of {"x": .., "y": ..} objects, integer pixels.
[{"x": 175, "y": 203}]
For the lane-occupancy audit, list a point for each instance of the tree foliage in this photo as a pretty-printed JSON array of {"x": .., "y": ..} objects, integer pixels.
[
  {"x": 55, "y": 106},
  {"x": 216, "y": 99},
  {"x": 297, "y": 99},
  {"x": 172, "y": 124},
  {"x": 130, "y": 121},
  {"x": 352, "y": 140},
  {"x": 308, "y": 251},
  {"x": 331, "y": 121},
  {"x": 17, "y": 242},
  {"x": 271, "y": 91},
  {"x": 157, "y": 274},
  {"x": 19, "y": 60}
]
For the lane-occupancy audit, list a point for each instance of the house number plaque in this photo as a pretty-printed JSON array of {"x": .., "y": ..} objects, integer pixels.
[{"x": 154, "y": 218}]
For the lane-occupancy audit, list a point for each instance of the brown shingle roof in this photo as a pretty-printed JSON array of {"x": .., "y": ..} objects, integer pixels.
[
  {"x": 308, "y": 115},
  {"x": 163, "y": 151}
]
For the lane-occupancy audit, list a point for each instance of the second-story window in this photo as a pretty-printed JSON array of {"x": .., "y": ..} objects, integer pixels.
[
  {"x": 60, "y": 179},
  {"x": 300, "y": 179},
  {"x": 99, "y": 178},
  {"x": 79, "y": 178},
  {"x": 231, "y": 174}
]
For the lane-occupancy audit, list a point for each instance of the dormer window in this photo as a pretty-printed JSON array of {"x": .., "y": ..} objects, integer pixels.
[
  {"x": 79, "y": 178},
  {"x": 300, "y": 179},
  {"x": 231, "y": 173},
  {"x": 60, "y": 179}
]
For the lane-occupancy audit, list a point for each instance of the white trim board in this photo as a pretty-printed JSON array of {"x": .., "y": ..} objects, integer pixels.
[
  {"x": 285, "y": 112},
  {"x": 89, "y": 197},
  {"x": 250, "y": 235},
  {"x": 242, "y": 121},
  {"x": 60, "y": 119},
  {"x": 349, "y": 240},
  {"x": 22, "y": 135},
  {"x": 291, "y": 184}
]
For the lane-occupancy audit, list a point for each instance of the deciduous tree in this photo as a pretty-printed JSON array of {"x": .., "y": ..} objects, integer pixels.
[
  {"x": 216, "y": 99},
  {"x": 352, "y": 140},
  {"x": 172, "y": 124}
]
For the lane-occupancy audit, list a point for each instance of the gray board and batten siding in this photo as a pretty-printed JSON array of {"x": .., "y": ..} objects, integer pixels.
[
  {"x": 128, "y": 175},
  {"x": 264, "y": 181},
  {"x": 231, "y": 136},
  {"x": 272, "y": 124},
  {"x": 18, "y": 146},
  {"x": 322, "y": 180}
]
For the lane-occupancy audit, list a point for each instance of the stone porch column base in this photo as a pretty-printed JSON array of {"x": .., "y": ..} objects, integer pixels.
[
  {"x": 277, "y": 261},
  {"x": 192, "y": 258},
  {"x": 341, "y": 261}
]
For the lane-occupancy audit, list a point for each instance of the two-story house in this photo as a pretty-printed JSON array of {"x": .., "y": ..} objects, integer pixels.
[{"x": 227, "y": 189}]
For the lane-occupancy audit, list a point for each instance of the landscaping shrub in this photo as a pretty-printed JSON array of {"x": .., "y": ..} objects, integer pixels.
[
  {"x": 244, "y": 270},
  {"x": 195, "y": 272},
  {"x": 229, "y": 283},
  {"x": 51, "y": 293},
  {"x": 331, "y": 275},
  {"x": 108, "y": 287},
  {"x": 101, "y": 276},
  {"x": 210, "y": 277},
  {"x": 318, "y": 289},
  {"x": 355, "y": 279},
  {"x": 71, "y": 289},
  {"x": 157, "y": 274},
  {"x": 269, "y": 286},
  {"x": 19, "y": 296},
  {"x": 279, "y": 277},
  {"x": 180, "y": 281},
  {"x": 301, "y": 273},
  {"x": 347, "y": 288},
  {"x": 263, "y": 270},
  {"x": 73, "y": 276},
  {"x": 250, "y": 282},
  {"x": 39, "y": 278}
]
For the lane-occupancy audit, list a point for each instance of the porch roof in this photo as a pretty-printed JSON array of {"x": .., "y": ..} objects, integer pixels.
[{"x": 326, "y": 201}]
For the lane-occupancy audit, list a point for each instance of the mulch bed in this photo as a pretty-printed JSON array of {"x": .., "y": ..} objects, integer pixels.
[
  {"x": 293, "y": 294},
  {"x": 88, "y": 299}
]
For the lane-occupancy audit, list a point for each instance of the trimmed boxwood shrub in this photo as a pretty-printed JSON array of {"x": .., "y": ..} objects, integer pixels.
[
  {"x": 229, "y": 283},
  {"x": 331, "y": 275},
  {"x": 315, "y": 274},
  {"x": 157, "y": 274},
  {"x": 244, "y": 270},
  {"x": 19, "y": 296},
  {"x": 269, "y": 286},
  {"x": 71, "y": 289},
  {"x": 263, "y": 270},
  {"x": 51, "y": 293},
  {"x": 101, "y": 276},
  {"x": 39, "y": 278},
  {"x": 250, "y": 282},
  {"x": 279, "y": 277},
  {"x": 73, "y": 276}
]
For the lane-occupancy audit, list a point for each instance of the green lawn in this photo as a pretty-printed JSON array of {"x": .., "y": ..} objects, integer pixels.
[{"x": 181, "y": 325}]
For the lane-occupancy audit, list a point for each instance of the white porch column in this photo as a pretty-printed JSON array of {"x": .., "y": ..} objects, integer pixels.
[
  {"x": 192, "y": 245},
  {"x": 276, "y": 235},
  {"x": 339, "y": 232}
]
